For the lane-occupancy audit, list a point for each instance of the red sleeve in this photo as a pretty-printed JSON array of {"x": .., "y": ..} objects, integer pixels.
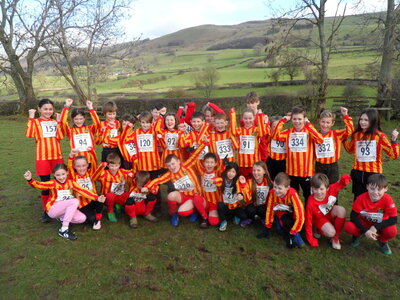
[
  {"x": 215, "y": 107},
  {"x": 308, "y": 223},
  {"x": 191, "y": 108}
]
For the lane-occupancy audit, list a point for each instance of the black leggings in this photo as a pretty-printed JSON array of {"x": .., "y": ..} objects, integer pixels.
[
  {"x": 44, "y": 178},
  {"x": 252, "y": 211},
  {"x": 287, "y": 222},
  {"x": 223, "y": 211},
  {"x": 304, "y": 182},
  {"x": 90, "y": 211}
]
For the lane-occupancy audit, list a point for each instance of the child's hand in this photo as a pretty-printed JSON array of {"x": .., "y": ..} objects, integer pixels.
[
  {"x": 205, "y": 139},
  {"x": 159, "y": 136},
  {"x": 266, "y": 119},
  {"x": 182, "y": 126},
  {"x": 58, "y": 117},
  {"x": 130, "y": 174},
  {"x": 101, "y": 199},
  {"x": 28, "y": 175},
  {"x": 242, "y": 179},
  {"x": 344, "y": 111},
  {"x": 68, "y": 102},
  {"x": 74, "y": 152},
  {"x": 89, "y": 104},
  {"x": 232, "y": 110},
  {"x": 32, "y": 113},
  {"x": 395, "y": 134},
  {"x": 287, "y": 118},
  {"x": 259, "y": 111},
  {"x": 372, "y": 233},
  {"x": 104, "y": 164},
  {"x": 144, "y": 190},
  {"x": 306, "y": 120}
]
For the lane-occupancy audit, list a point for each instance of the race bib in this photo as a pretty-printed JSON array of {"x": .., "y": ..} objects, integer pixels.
[
  {"x": 366, "y": 151},
  {"x": 224, "y": 148},
  {"x": 282, "y": 207},
  {"x": 208, "y": 184},
  {"x": 131, "y": 148},
  {"x": 228, "y": 197},
  {"x": 83, "y": 141},
  {"x": 204, "y": 152},
  {"x": 298, "y": 142},
  {"x": 184, "y": 183},
  {"x": 86, "y": 183},
  {"x": 326, "y": 149},
  {"x": 118, "y": 188},
  {"x": 139, "y": 197},
  {"x": 49, "y": 128},
  {"x": 113, "y": 133},
  {"x": 278, "y": 146},
  {"x": 171, "y": 140},
  {"x": 247, "y": 144},
  {"x": 262, "y": 193},
  {"x": 327, "y": 207},
  {"x": 145, "y": 142},
  {"x": 372, "y": 217},
  {"x": 63, "y": 195}
]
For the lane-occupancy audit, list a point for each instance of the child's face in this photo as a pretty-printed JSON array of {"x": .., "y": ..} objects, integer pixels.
[
  {"x": 79, "y": 120},
  {"x": 113, "y": 168},
  {"x": 258, "y": 173},
  {"x": 326, "y": 124},
  {"x": 111, "y": 116},
  {"x": 124, "y": 123},
  {"x": 281, "y": 190},
  {"x": 174, "y": 165},
  {"x": 298, "y": 121},
  {"x": 231, "y": 174},
  {"x": 209, "y": 164},
  {"x": 155, "y": 113},
  {"x": 364, "y": 122},
  {"x": 248, "y": 119},
  {"x": 197, "y": 123},
  {"x": 170, "y": 122},
  {"x": 220, "y": 124},
  {"x": 320, "y": 192},
  {"x": 46, "y": 111},
  {"x": 253, "y": 106},
  {"x": 61, "y": 175},
  {"x": 145, "y": 125},
  {"x": 81, "y": 166},
  {"x": 209, "y": 118},
  {"x": 375, "y": 192}
]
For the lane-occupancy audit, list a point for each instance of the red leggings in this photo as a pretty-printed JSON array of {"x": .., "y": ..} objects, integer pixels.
[
  {"x": 139, "y": 208},
  {"x": 385, "y": 234},
  {"x": 112, "y": 199}
]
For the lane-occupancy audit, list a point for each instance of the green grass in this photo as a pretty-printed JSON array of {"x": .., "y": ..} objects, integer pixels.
[{"x": 157, "y": 261}]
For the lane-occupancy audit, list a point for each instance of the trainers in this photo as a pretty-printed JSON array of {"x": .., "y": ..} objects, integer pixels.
[
  {"x": 204, "y": 223},
  {"x": 245, "y": 223},
  {"x": 112, "y": 217},
  {"x": 133, "y": 223},
  {"x": 222, "y": 226},
  {"x": 118, "y": 208},
  {"x": 67, "y": 234},
  {"x": 336, "y": 244},
  {"x": 236, "y": 220},
  {"x": 174, "y": 220},
  {"x": 151, "y": 218},
  {"x": 193, "y": 216},
  {"x": 355, "y": 241},
  {"x": 97, "y": 225},
  {"x": 45, "y": 218},
  {"x": 316, "y": 235},
  {"x": 385, "y": 249}
]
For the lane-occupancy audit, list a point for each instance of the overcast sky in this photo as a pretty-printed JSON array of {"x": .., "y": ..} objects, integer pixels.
[{"x": 154, "y": 18}]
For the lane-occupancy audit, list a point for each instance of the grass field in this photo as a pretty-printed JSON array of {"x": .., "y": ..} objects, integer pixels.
[{"x": 157, "y": 261}]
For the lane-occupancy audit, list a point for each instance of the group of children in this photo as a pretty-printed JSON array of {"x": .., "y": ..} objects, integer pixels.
[{"x": 252, "y": 171}]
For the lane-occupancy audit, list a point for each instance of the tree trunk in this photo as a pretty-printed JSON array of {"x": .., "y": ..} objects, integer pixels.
[{"x": 323, "y": 71}]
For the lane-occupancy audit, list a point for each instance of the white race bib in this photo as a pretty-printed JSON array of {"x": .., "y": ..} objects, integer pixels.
[
  {"x": 366, "y": 151},
  {"x": 131, "y": 148},
  {"x": 228, "y": 197},
  {"x": 247, "y": 144},
  {"x": 113, "y": 133},
  {"x": 83, "y": 141},
  {"x": 118, "y": 188},
  {"x": 208, "y": 184},
  {"x": 224, "y": 148},
  {"x": 184, "y": 183},
  {"x": 262, "y": 193},
  {"x": 372, "y": 217},
  {"x": 49, "y": 128},
  {"x": 63, "y": 195},
  {"x": 298, "y": 142},
  {"x": 282, "y": 207},
  {"x": 139, "y": 197},
  {"x": 171, "y": 140},
  {"x": 278, "y": 146},
  {"x": 145, "y": 142},
  {"x": 204, "y": 152},
  {"x": 327, "y": 207},
  {"x": 326, "y": 149},
  {"x": 86, "y": 183}
]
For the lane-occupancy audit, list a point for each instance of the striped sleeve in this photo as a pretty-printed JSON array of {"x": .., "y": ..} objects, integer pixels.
[
  {"x": 269, "y": 215},
  {"x": 84, "y": 192},
  {"x": 39, "y": 185},
  {"x": 298, "y": 213}
]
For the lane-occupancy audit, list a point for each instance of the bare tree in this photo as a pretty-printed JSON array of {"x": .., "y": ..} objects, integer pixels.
[{"x": 206, "y": 80}]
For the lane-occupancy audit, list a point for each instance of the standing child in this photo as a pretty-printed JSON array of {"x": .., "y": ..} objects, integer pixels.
[
  {"x": 276, "y": 161},
  {"x": 374, "y": 215},
  {"x": 322, "y": 211},
  {"x": 62, "y": 201},
  {"x": 284, "y": 203},
  {"x": 47, "y": 134},
  {"x": 328, "y": 153},
  {"x": 299, "y": 148},
  {"x": 367, "y": 143},
  {"x": 80, "y": 135}
]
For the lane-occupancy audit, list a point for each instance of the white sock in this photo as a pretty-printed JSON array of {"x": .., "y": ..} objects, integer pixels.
[{"x": 64, "y": 228}]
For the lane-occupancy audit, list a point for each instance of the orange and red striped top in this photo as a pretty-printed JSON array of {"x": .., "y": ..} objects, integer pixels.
[
  {"x": 223, "y": 144},
  {"x": 112, "y": 183},
  {"x": 108, "y": 131}
]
